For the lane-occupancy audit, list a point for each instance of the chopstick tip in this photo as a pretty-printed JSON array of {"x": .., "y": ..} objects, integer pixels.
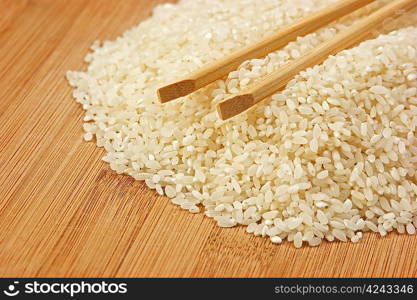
[
  {"x": 176, "y": 90},
  {"x": 235, "y": 105}
]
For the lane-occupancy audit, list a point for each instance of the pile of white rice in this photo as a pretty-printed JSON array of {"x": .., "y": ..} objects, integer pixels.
[{"x": 330, "y": 157}]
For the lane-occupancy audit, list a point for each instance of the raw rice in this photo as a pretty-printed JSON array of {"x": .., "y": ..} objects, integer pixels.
[{"x": 331, "y": 156}]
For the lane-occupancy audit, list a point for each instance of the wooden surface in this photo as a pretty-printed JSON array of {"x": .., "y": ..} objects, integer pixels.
[{"x": 63, "y": 212}]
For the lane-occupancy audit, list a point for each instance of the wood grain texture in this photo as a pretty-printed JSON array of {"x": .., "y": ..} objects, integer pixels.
[{"x": 63, "y": 212}]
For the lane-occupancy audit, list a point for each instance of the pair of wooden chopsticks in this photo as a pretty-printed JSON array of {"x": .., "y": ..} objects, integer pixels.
[{"x": 275, "y": 81}]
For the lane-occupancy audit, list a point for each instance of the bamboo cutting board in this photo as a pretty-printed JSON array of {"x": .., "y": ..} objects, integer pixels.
[{"x": 63, "y": 212}]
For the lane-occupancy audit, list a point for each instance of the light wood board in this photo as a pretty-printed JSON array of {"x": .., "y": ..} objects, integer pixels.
[{"x": 63, "y": 212}]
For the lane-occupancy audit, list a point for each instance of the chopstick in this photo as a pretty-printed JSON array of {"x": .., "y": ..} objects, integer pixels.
[
  {"x": 217, "y": 70},
  {"x": 274, "y": 82}
]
